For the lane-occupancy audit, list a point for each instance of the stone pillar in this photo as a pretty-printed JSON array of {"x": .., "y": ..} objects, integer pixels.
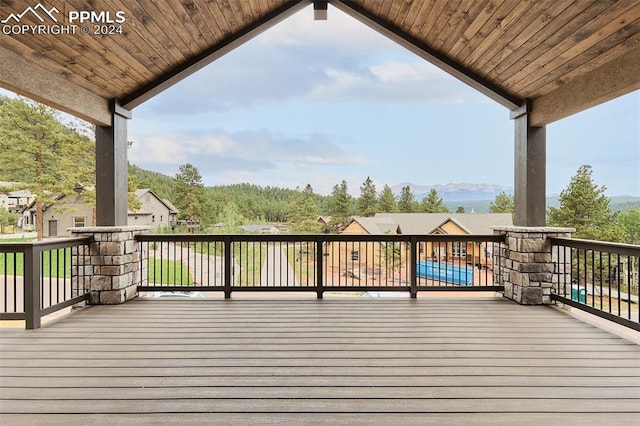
[
  {"x": 528, "y": 268},
  {"x": 116, "y": 265}
]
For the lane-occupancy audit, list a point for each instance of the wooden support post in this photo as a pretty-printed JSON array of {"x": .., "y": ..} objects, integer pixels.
[
  {"x": 111, "y": 169},
  {"x": 319, "y": 268},
  {"x": 530, "y": 170},
  {"x": 31, "y": 284},
  {"x": 413, "y": 267},
  {"x": 228, "y": 267}
]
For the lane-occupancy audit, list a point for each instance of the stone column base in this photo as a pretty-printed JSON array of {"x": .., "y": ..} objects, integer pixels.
[
  {"x": 527, "y": 267},
  {"x": 114, "y": 265}
]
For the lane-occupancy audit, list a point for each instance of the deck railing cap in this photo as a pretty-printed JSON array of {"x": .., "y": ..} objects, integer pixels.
[
  {"x": 108, "y": 229},
  {"x": 536, "y": 229}
]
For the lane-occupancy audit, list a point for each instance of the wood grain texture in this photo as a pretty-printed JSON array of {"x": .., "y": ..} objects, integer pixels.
[
  {"x": 525, "y": 49},
  {"x": 424, "y": 361}
]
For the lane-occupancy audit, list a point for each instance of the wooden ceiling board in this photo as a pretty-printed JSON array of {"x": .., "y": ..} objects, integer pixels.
[
  {"x": 178, "y": 28},
  {"x": 437, "y": 22},
  {"x": 488, "y": 32},
  {"x": 546, "y": 25},
  {"x": 518, "y": 33},
  {"x": 218, "y": 17},
  {"x": 547, "y": 66},
  {"x": 118, "y": 50},
  {"x": 521, "y": 48},
  {"x": 412, "y": 15},
  {"x": 468, "y": 14},
  {"x": 152, "y": 51},
  {"x": 472, "y": 29},
  {"x": 452, "y": 15},
  {"x": 603, "y": 52},
  {"x": 426, "y": 20},
  {"x": 192, "y": 17}
]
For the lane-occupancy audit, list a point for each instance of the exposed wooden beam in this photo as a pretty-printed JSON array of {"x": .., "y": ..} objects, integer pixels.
[
  {"x": 530, "y": 158},
  {"x": 214, "y": 52},
  {"x": 28, "y": 79},
  {"x": 111, "y": 169},
  {"x": 613, "y": 79},
  {"x": 426, "y": 52}
]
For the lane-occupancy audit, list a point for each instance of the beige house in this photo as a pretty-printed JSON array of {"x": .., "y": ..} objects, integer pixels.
[
  {"x": 367, "y": 254},
  {"x": 73, "y": 212},
  {"x": 154, "y": 211}
]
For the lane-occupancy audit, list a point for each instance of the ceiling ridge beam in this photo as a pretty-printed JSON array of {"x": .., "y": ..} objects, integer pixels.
[
  {"x": 426, "y": 52},
  {"x": 216, "y": 51}
]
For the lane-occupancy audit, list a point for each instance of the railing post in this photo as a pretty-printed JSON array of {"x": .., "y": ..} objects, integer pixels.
[
  {"x": 319, "y": 267},
  {"x": 413, "y": 266},
  {"x": 228, "y": 268},
  {"x": 32, "y": 287}
]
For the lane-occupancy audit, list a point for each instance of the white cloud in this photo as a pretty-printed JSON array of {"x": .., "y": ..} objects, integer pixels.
[
  {"x": 261, "y": 149},
  {"x": 393, "y": 81}
]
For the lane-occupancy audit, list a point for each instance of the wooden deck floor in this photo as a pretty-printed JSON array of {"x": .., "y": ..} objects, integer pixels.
[{"x": 349, "y": 361}]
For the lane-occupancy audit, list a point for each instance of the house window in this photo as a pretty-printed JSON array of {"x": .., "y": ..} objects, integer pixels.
[
  {"x": 153, "y": 218},
  {"x": 78, "y": 222},
  {"x": 459, "y": 250},
  {"x": 355, "y": 255},
  {"x": 161, "y": 218}
]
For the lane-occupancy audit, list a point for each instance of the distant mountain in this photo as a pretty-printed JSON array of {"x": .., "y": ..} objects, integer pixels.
[{"x": 452, "y": 192}]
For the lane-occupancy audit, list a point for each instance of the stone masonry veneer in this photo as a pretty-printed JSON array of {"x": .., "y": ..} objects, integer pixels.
[
  {"x": 116, "y": 265},
  {"x": 528, "y": 267}
]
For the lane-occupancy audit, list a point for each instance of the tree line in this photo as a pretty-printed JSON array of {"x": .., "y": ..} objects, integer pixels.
[{"x": 51, "y": 158}]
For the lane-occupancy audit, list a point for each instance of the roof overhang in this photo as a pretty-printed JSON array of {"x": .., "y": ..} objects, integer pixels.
[{"x": 558, "y": 57}]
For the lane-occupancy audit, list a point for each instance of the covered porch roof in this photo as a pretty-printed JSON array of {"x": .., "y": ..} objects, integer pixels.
[
  {"x": 564, "y": 57},
  {"x": 543, "y": 60}
]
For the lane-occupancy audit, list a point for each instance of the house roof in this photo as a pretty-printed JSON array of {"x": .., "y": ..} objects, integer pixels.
[
  {"x": 559, "y": 57},
  {"x": 258, "y": 228},
  {"x": 172, "y": 208},
  {"x": 428, "y": 223},
  {"x": 377, "y": 225},
  {"x": 140, "y": 192}
]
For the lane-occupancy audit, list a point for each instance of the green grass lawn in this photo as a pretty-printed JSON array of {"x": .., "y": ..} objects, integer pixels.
[
  {"x": 168, "y": 272},
  {"x": 54, "y": 263}
]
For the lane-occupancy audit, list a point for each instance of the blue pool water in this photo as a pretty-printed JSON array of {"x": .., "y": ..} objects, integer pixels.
[{"x": 444, "y": 272}]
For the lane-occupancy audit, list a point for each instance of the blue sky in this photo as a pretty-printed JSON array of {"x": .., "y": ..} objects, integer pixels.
[{"x": 320, "y": 101}]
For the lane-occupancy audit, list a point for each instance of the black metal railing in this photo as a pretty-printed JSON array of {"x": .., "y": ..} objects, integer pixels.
[
  {"x": 40, "y": 278},
  {"x": 598, "y": 277},
  {"x": 319, "y": 263}
]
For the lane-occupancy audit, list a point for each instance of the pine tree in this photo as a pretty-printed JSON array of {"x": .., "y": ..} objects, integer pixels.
[
  {"x": 584, "y": 206},
  {"x": 367, "y": 203},
  {"x": 189, "y": 193},
  {"x": 503, "y": 203},
  {"x": 407, "y": 202},
  {"x": 433, "y": 203},
  {"x": 629, "y": 222},
  {"x": 303, "y": 211},
  {"x": 387, "y": 201},
  {"x": 48, "y": 158},
  {"x": 339, "y": 206}
]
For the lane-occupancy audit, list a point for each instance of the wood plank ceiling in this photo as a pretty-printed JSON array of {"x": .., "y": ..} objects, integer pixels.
[{"x": 522, "y": 49}]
